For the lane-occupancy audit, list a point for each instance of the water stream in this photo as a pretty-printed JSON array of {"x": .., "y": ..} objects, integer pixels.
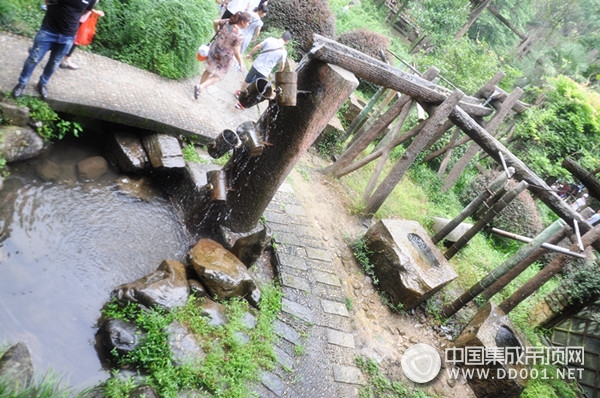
[{"x": 64, "y": 246}]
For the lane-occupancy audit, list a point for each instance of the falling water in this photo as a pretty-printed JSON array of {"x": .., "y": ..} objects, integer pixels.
[{"x": 64, "y": 246}]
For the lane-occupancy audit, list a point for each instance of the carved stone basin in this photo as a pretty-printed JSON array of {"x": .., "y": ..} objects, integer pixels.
[{"x": 408, "y": 266}]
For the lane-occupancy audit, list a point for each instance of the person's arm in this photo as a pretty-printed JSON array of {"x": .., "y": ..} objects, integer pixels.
[
  {"x": 238, "y": 56},
  {"x": 254, "y": 49},
  {"x": 99, "y": 12},
  {"x": 256, "y": 33},
  {"x": 217, "y": 24}
]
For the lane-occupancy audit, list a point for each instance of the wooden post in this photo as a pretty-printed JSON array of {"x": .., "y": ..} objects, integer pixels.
[
  {"x": 381, "y": 124},
  {"x": 505, "y": 279},
  {"x": 487, "y": 217},
  {"x": 490, "y": 127},
  {"x": 498, "y": 183},
  {"x": 253, "y": 181},
  {"x": 486, "y": 281},
  {"x": 588, "y": 179},
  {"x": 437, "y": 119},
  {"x": 555, "y": 266}
]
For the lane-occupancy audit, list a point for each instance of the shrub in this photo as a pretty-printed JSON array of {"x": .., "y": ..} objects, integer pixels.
[
  {"x": 519, "y": 217},
  {"x": 160, "y": 36},
  {"x": 365, "y": 41},
  {"x": 302, "y": 19}
]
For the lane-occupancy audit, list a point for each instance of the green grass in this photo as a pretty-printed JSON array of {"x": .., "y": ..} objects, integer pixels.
[{"x": 230, "y": 365}]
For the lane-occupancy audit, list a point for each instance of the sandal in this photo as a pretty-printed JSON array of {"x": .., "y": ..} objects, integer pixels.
[{"x": 197, "y": 92}]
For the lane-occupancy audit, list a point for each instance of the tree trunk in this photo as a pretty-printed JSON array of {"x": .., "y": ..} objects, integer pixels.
[
  {"x": 588, "y": 179},
  {"x": 253, "y": 181},
  {"x": 473, "y": 15}
]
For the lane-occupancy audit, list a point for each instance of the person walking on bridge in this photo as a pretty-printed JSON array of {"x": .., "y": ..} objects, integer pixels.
[
  {"x": 57, "y": 33},
  {"x": 272, "y": 52},
  {"x": 224, "y": 48}
]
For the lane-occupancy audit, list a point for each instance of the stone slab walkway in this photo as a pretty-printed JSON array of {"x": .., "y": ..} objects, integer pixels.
[{"x": 316, "y": 350}]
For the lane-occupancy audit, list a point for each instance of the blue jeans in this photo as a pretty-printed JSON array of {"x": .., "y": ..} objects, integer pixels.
[{"x": 44, "y": 41}]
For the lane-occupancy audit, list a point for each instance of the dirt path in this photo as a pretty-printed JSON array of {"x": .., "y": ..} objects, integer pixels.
[{"x": 380, "y": 334}]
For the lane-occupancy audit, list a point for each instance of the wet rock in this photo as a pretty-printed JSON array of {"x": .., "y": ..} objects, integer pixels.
[
  {"x": 197, "y": 289},
  {"x": 19, "y": 143},
  {"x": 163, "y": 151},
  {"x": 167, "y": 287},
  {"x": 215, "y": 312},
  {"x": 16, "y": 367},
  {"x": 254, "y": 297},
  {"x": 119, "y": 335},
  {"x": 183, "y": 345},
  {"x": 92, "y": 168},
  {"x": 138, "y": 188},
  {"x": 223, "y": 274},
  {"x": 47, "y": 170},
  {"x": 127, "y": 153},
  {"x": 14, "y": 115},
  {"x": 247, "y": 246},
  {"x": 409, "y": 267}
]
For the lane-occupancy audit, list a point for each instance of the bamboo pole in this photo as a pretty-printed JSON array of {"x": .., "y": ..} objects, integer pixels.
[
  {"x": 549, "y": 246},
  {"x": 487, "y": 217},
  {"x": 555, "y": 266},
  {"x": 506, "y": 266},
  {"x": 491, "y": 189}
]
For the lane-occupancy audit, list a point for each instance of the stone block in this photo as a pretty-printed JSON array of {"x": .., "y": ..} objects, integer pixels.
[
  {"x": 492, "y": 332},
  {"x": 127, "y": 153},
  {"x": 408, "y": 266},
  {"x": 456, "y": 233},
  {"x": 163, "y": 151}
]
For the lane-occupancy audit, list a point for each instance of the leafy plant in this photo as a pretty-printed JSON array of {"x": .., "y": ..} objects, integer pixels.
[
  {"x": 190, "y": 154},
  {"x": 361, "y": 253},
  {"x": 52, "y": 127},
  {"x": 158, "y": 36},
  {"x": 229, "y": 363},
  {"x": 378, "y": 385}
]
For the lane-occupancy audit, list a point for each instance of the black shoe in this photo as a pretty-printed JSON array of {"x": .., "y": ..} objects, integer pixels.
[
  {"x": 42, "y": 90},
  {"x": 18, "y": 90}
]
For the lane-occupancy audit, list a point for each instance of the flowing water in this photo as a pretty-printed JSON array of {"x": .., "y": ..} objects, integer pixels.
[{"x": 64, "y": 246}]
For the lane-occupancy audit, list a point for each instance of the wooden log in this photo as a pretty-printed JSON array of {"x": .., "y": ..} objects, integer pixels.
[
  {"x": 382, "y": 74},
  {"x": 555, "y": 266},
  {"x": 502, "y": 269},
  {"x": 491, "y": 126},
  {"x": 587, "y": 178},
  {"x": 490, "y": 190},
  {"x": 253, "y": 181},
  {"x": 437, "y": 119},
  {"x": 537, "y": 186},
  {"x": 505, "y": 279},
  {"x": 485, "y": 219},
  {"x": 381, "y": 124}
]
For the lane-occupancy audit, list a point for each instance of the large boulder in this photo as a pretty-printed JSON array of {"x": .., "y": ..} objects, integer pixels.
[
  {"x": 92, "y": 168},
  {"x": 408, "y": 266},
  {"x": 223, "y": 274},
  {"x": 167, "y": 287},
  {"x": 20, "y": 143}
]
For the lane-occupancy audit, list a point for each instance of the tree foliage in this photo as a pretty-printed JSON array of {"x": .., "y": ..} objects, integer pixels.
[
  {"x": 161, "y": 36},
  {"x": 566, "y": 123},
  {"x": 439, "y": 19}
]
